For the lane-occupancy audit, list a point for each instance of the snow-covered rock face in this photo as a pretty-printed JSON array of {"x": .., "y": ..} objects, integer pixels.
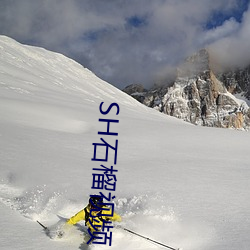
[
  {"x": 237, "y": 81},
  {"x": 197, "y": 96}
]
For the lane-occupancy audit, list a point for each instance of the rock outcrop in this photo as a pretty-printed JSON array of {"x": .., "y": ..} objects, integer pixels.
[{"x": 199, "y": 96}]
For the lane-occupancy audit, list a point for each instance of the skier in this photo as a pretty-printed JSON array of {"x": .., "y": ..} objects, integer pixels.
[{"x": 90, "y": 214}]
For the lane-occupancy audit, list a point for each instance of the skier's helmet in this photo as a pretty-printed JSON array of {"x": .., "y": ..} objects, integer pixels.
[{"x": 95, "y": 201}]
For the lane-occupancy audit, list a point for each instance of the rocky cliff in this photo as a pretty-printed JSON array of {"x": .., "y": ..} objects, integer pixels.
[{"x": 200, "y": 96}]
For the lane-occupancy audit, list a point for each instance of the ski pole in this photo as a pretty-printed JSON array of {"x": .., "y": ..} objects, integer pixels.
[
  {"x": 45, "y": 228},
  {"x": 159, "y": 243}
]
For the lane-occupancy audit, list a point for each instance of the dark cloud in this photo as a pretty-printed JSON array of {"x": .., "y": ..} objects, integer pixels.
[{"x": 130, "y": 41}]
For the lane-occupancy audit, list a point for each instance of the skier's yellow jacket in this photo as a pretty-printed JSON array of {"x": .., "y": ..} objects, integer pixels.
[{"x": 96, "y": 221}]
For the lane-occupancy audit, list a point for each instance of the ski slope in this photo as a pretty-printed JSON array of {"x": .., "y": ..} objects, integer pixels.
[{"x": 179, "y": 184}]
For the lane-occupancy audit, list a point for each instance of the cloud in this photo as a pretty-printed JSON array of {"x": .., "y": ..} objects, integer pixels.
[
  {"x": 233, "y": 49},
  {"x": 121, "y": 41},
  {"x": 228, "y": 28}
]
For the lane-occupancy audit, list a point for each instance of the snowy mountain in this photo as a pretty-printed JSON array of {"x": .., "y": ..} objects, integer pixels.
[
  {"x": 183, "y": 185},
  {"x": 201, "y": 96},
  {"x": 237, "y": 81}
]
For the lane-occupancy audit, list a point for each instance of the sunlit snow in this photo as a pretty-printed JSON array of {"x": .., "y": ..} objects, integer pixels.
[{"x": 182, "y": 185}]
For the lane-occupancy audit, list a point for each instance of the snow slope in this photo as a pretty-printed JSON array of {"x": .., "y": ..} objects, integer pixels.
[{"x": 182, "y": 185}]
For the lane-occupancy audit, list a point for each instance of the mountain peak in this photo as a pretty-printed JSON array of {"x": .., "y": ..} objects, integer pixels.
[
  {"x": 197, "y": 64},
  {"x": 201, "y": 97}
]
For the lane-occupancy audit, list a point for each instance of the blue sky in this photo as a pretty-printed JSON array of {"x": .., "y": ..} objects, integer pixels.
[
  {"x": 218, "y": 17},
  {"x": 131, "y": 41}
]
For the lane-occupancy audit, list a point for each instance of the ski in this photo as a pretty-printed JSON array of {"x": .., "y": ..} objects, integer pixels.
[{"x": 51, "y": 233}]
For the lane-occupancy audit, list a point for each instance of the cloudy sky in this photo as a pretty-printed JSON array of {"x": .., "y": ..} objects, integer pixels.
[{"x": 131, "y": 41}]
